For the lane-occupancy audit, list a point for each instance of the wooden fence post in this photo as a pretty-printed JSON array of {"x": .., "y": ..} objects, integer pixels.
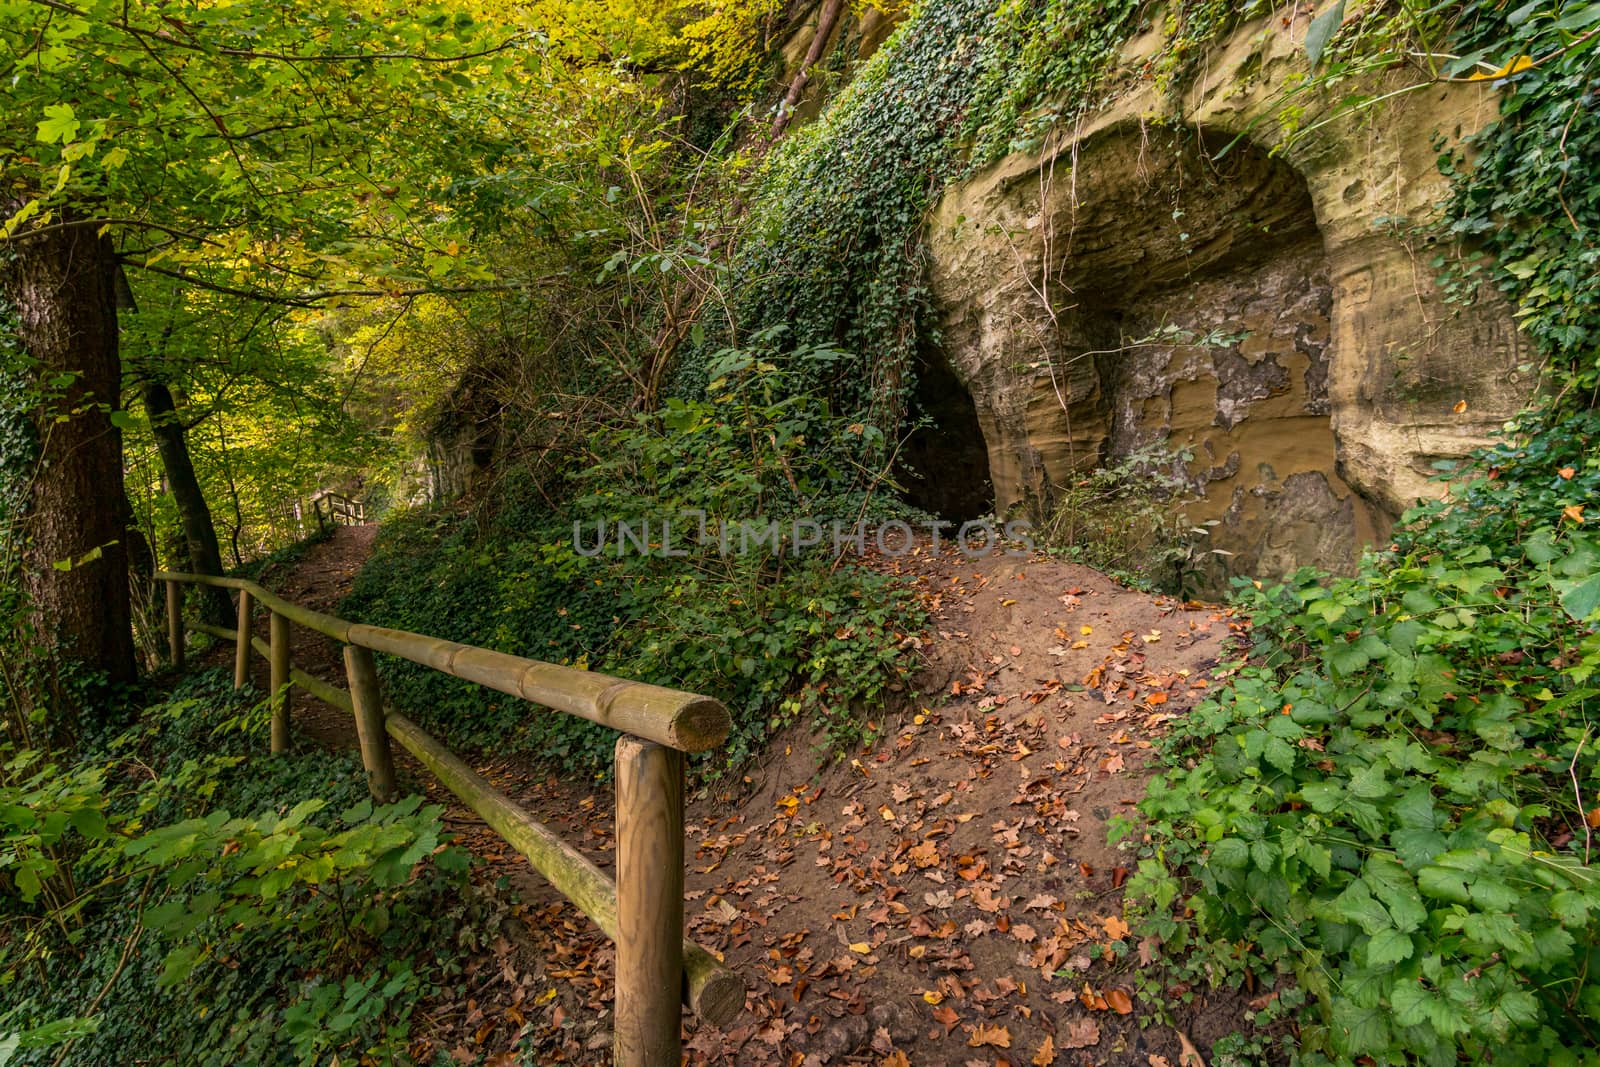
[
  {"x": 366, "y": 698},
  {"x": 175, "y": 623},
  {"x": 280, "y": 682},
  {"x": 241, "y": 651},
  {"x": 649, "y": 904}
]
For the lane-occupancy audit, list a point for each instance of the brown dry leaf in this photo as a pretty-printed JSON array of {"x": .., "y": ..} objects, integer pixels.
[
  {"x": 947, "y": 1018},
  {"x": 1116, "y": 928},
  {"x": 991, "y": 1035},
  {"x": 1081, "y": 1033},
  {"x": 895, "y": 1059},
  {"x": 1573, "y": 512},
  {"x": 1566, "y": 473},
  {"x": 1046, "y": 1056},
  {"x": 1024, "y": 933},
  {"x": 1120, "y": 1002},
  {"x": 1189, "y": 1056},
  {"x": 1158, "y": 1061},
  {"x": 1593, "y": 818}
]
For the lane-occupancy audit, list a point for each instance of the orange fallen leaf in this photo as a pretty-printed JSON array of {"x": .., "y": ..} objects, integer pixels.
[
  {"x": 1120, "y": 1002},
  {"x": 1046, "y": 1056},
  {"x": 895, "y": 1059},
  {"x": 1566, "y": 473},
  {"x": 1460, "y": 408},
  {"x": 1116, "y": 928},
  {"x": 1573, "y": 512},
  {"x": 946, "y": 1017},
  {"x": 1593, "y": 818},
  {"x": 993, "y": 1036}
]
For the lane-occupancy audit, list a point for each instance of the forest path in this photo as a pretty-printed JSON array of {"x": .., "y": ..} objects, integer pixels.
[{"x": 946, "y": 898}]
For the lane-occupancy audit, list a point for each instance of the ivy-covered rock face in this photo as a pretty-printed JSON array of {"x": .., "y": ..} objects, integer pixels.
[{"x": 1271, "y": 313}]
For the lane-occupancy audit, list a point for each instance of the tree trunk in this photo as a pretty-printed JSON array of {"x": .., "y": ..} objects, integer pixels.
[
  {"x": 826, "y": 18},
  {"x": 199, "y": 533},
  {"x": 76, "y": 516}
]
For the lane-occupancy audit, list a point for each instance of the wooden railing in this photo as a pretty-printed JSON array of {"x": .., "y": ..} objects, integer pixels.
[
  {"x": 642, "y": 912},
  {"x": 336, "y": 509}
]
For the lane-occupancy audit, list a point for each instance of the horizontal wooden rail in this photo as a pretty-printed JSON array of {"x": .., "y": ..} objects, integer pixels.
[
  {"x": 683, "y": 721},
  {"x": 653, "y": 720}
]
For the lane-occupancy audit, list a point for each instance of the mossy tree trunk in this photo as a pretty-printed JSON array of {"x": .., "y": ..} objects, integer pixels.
[{"x": 75, "y": 517}]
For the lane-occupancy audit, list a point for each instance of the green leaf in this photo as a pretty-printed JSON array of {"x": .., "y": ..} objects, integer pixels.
[
  {"x": 1443, "y": 884},
  {"x": 1582, "y": 599},
  {"x": 1321, "y": 31},
  {"x": 1388, "y": 947},
  {"x": 59, "y": 124},
  {"x": 1323, "y": 797},
  {"x": 1230, "y": 852},
  {"x": 1357, "y": 905},
  {"x": 1369, "y": 782},
  {"x": 1280, "y": 754}
]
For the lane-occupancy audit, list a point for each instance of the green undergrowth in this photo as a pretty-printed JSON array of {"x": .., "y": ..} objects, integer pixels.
[
  {"x": 783, "y": 633},
  {"x": 1388, "y": 816},
  {"x": 178, "y": 896}
]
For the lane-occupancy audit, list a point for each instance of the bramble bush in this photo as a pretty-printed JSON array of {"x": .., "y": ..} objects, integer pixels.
[
  {"x": 1391, "y": 801},
  {"x": 1392, "y": 807}
]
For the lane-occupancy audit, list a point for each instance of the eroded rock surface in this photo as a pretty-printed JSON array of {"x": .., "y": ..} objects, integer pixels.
[{"x": 1275, "y": 316}]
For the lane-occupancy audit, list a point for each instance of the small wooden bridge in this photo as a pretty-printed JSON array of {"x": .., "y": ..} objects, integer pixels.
[{"x": 642, "y": 912}]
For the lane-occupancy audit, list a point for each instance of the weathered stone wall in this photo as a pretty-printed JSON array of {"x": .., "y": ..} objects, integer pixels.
[{"x": 1142, "y": 279}]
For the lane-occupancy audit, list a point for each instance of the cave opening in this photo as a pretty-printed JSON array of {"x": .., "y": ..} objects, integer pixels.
[{"x": 944, "y": 463}]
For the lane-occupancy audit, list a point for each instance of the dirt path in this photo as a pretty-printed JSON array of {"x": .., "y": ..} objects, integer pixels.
[{"x": 943, "y": 899}]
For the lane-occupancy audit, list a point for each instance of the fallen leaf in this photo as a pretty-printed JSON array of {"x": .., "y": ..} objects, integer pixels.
[
  {"x": 1120, "y": 1002},
  {"x": 994, "y": 1036},
  {"x": 1460, "y": 408},
  {"x": 1046, "y": 1056},
  {"x": 1573, "y": 512},
  {"x": 860, "y": 947},
  {"x": 1566, "y": 473},
  {"x": 1189, "y": 1056},
  {"x": 1116, "y": 928},
  {"x": 1086, "y": 630},
  {"x": 947, "y": 1018},
  {"x": 1081, "y": 1033}
]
